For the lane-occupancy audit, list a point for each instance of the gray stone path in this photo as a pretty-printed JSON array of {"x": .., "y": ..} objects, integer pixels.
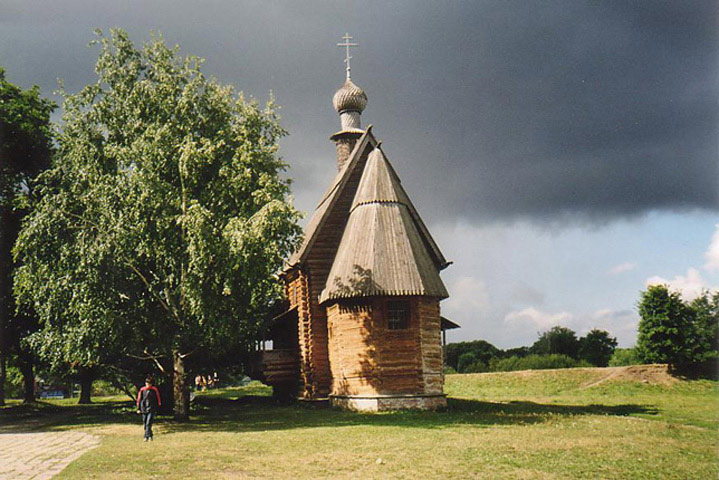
[{"x": 41, "y": 455}]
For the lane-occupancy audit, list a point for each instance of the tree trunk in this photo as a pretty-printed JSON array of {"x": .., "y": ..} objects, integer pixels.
[
  {"x": 6, "y": 227},
  {"x": 181, "y": 394},
  {"x": 86, "y": 376},
  {"x": 28, "y": 381},
  {"x": 3, "y": 375}
]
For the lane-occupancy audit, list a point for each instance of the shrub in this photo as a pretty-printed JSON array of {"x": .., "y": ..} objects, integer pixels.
[
  {"x": 102, "y": 388},
  {"x": 465, "y": 360},
  {"x": 481, "y": 350},
  {"x": 477, "y": 366},
  {"x": 623, "y": 357},
  {"x": 535, "y": 362},
  {"x": 13, "y": 382}
]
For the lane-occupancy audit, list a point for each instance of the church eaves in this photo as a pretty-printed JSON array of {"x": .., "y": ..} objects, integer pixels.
[{"x": 384, "y": 250}]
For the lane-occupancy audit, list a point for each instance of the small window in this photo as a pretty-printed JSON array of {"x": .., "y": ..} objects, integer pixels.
[{"x": 397, "y": 314}]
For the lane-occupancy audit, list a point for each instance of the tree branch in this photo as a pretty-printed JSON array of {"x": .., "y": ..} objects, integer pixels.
[{"x": 149, "y": 356}]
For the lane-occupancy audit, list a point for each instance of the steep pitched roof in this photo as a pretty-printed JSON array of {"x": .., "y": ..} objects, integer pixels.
[
  {"x": 385, "y": 248},
  {"x": 329, "y": 199},
  {"x": 334, "y": 192}
]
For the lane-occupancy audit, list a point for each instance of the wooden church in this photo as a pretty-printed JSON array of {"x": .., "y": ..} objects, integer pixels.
[{"x": 362, "y": 327}]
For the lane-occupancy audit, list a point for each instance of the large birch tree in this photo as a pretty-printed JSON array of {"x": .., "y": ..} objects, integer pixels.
[{"x": 163, "y": 219}]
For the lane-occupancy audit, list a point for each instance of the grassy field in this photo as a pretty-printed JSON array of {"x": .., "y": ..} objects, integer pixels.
[{"x": 634, "y": 422}]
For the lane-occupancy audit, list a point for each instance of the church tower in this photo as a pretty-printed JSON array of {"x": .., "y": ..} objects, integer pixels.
[{"x": 363, "y": 323}]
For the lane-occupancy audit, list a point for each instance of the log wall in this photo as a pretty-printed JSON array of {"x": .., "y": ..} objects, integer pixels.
[
  {"x": 431, "y": 345},
  {"x": 307, "y": 285},
  {"x": 367, "y": 358}
]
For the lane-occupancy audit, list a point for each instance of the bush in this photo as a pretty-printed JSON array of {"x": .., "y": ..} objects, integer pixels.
[
  {"x": 465, "y": 360},
  {"x": 449, "y": 370},
  {"x": 13, "y": 382},
  {"x": 623, "y": 357},
  {"x": 103, "y": 388},
  {"x": 477, "y": 366},
  {"x": 481, "y": 350},
  {"x": 535, "y": 362}
]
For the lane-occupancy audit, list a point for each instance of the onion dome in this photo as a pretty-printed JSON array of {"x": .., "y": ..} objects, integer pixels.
[{"x": 349, "y": 97}]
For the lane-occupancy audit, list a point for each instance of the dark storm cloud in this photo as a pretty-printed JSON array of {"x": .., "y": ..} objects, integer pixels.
[{"x": 489, "y": 110}]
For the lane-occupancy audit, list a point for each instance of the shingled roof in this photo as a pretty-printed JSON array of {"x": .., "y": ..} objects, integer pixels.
[
  {"x": 324, "y": 207},
  {"x": 329, "y": 199},
  {"x": 385, "y": 248}
]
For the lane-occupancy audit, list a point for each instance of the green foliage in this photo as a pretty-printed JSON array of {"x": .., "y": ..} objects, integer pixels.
[
  {"x": 684, "y": 335},
  {"x": 535, "y": 362},
  {"x": 25, "y": 149},
  {"x": 706, "y": 326},
  {"x": 557, "y": 340},
  {"x": 13, "y": 382},
  {"x": 163, "y": 219},
  {"x": 25, "y": 138},
  {"x": 623, "y": 357},
  {"x": 477, "y": 366},
  {"x": 469, "y": 363},
  {"x": 597, "y": 347},
  {"x": 514, "y": 352},
  {"x": 480, "y": 349},
  {"x": 102, "y": 387},
  {"x": 465, "y": 360}
]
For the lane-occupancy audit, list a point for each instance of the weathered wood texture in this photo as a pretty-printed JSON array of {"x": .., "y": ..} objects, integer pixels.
[
  {"x": 278, "y": 367},
  {"x": 367, "y": 358},
  {"x": 431, "y": 345},
  {"x": 306, "y": 286},
  {"x": 383, "y": 250},
  {"x": 354, "y": 352},
  {"x": 345, "y": 144}
]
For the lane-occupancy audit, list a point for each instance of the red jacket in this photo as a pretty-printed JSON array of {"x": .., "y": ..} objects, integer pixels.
[{"x": 146, "y": 401}]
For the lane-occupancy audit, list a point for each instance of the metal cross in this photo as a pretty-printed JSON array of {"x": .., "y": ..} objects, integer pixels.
[{"x": 347, "y": 46}]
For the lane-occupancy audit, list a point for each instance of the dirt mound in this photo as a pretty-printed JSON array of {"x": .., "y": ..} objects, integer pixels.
[{"x": 655, "y": 374}]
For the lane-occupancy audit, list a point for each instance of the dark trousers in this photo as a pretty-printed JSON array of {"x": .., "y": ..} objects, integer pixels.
[{"x": 147, "y": 419}]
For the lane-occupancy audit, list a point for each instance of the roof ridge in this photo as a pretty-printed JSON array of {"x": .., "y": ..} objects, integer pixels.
[
  {"x": 383, "y": 183},
  {"x": 329, "y": 198}
]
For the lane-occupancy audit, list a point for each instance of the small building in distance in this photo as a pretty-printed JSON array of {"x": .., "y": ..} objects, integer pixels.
[{"x": 363, "y": 326}]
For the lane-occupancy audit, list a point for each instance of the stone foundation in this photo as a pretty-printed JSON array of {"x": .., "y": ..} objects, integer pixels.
[{"x": 383, "y": 403}]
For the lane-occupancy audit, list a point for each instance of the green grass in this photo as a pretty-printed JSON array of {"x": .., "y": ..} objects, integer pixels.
[{"x": 576, "y": 423}]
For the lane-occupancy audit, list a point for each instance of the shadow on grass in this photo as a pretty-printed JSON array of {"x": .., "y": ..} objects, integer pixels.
[
  {"x": 40, "y": 416},
  {"x": 262, "y": 413}
]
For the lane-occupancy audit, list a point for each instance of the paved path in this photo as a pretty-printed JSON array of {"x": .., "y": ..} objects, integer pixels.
[{"x": 41, "y": 455}]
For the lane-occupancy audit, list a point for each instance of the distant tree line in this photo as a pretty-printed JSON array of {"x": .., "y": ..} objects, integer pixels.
[
  {"x": 684, "y": 335},
  {"x": 558, "y": 347}
]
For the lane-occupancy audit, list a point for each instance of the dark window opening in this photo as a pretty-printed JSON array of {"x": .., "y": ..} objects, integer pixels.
[{"x": 397, "y": 314}]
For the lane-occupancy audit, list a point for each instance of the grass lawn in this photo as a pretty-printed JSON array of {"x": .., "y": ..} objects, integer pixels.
[{"x": 577, "y": 423}]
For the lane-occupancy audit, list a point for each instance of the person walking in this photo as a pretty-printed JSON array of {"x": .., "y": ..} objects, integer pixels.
[{"x": 148, "y": 403}]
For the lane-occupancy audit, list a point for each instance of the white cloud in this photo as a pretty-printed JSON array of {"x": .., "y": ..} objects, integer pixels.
[
  {"x": 622, "y": 267},
  {"x": 712, "y": 253},
  {"x": 621, "y": 324},
  {"x": 468, "y": 292},
  {"x": 690, "y": 286},
  {"x": 538, "y": 319}
]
